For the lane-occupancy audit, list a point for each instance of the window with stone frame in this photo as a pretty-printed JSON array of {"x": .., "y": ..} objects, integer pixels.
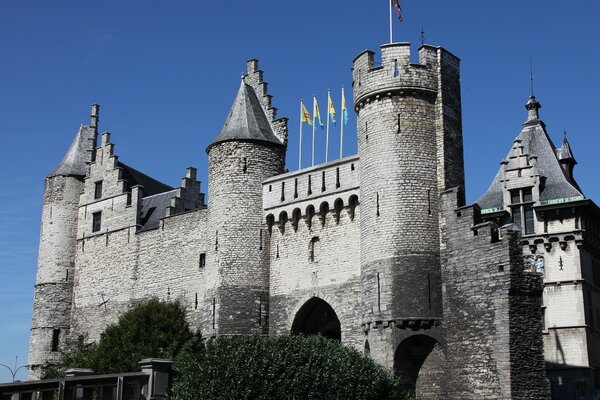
[
  {"x": 55, "y": 339},
  {"x": 96, "y": 221},
  {"x": 521, "y": 206},
  {"x": 98, "y": 190}
]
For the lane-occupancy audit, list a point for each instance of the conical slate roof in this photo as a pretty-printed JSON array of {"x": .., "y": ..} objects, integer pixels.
[
  {"x": 246, "y": 120},
  {"x": 535, "y": 141},
  {"x": 565, "y": 152},
  {"x": 79, "y": 154}
]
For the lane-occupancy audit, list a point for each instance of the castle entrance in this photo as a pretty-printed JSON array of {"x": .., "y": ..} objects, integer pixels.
[
  {"x": 419, "y": 364},
  {"x": 317, "y": 317}
]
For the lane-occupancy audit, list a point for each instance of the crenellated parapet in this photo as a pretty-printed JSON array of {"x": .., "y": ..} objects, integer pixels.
[
  {"x": 396, "y": 73},
  {"x": 254, "y": 78}
]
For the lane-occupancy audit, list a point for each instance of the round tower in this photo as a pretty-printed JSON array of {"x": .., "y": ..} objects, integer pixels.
[
  {"x": 56, "y": 258},
  {"x": 244, "y": 154},
  {"x": 410, "y": 147}
]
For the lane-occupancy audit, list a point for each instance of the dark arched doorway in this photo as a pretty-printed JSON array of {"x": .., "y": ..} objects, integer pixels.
[
  {"x": 316, "y": 317},
  {"x": 419, "y": 364}
]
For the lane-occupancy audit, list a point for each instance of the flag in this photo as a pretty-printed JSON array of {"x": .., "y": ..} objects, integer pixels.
[
  {"x": 305, "y": 115},
  {"x": 317, "y": 114},
  {"x": 331, "y": 109},
  {"x": 396, "y": 5},
  {"x": 344, "y": 108}
]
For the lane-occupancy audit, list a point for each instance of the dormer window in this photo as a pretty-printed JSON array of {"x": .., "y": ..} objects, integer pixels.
[
  {"x": 522, "y": 209},
  {"x": 98, "y": 190}
]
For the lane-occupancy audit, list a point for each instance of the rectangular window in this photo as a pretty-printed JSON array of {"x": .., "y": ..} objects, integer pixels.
[
  {"x": 202, "y": 261},
  {"x": 522, "y": 209},
  {"x": 98, "y": 190},
  {"x": 515, "y": 196},
  {"x": 55, "y": 338},
  {"x": 529, "y": 226},
  {"x": 96, "y": 221},
  {"x": 527, "y": 196},
  {"x": 516, "y": 214}
]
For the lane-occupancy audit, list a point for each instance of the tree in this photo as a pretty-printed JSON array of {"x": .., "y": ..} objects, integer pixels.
[
  {"x": 150, "y": 329},
  {"x": 285, "y": 367}
]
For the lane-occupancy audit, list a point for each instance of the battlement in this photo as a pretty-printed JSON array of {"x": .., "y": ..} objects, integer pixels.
[
  {"x": 396, "y": 72},
  {"x": 310, "y": 183},
  {"x": 254, "y": 78}
]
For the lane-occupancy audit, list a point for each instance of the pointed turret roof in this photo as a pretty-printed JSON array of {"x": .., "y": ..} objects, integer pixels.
[
  {"x": 247, "y": 120},
  {"x": 534, "y": 141},
  {"x": 565, "y": 153},
  {"x": 79, "y": 154}
]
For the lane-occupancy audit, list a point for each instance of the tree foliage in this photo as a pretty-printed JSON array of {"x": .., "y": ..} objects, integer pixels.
[
  {"x": 150, "y": 329},
  {"x": 286, "y": 367}
]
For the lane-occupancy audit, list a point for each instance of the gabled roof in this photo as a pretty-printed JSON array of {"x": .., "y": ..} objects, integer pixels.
[
  {"x": 135, "y": 177},
  {"x": 79, "y": 154},
  {"x": 535, "y": 141},
  {"x": 247, "y": 120},
  {"x": 154, "y": 208}
]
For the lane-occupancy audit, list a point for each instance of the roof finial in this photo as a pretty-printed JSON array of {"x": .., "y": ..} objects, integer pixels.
[
  {"x": 422, "y": 33},
  {"x": 565, "y": 133},
  {"x": 531, "y": 74}
]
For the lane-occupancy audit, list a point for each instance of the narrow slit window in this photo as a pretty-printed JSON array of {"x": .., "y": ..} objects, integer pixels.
[
  {"x": 296, "y": 188},
  {"x": 323, "y": 181},
  {"x": 282, "y": 191},
  {"x": 202, "y": 260},
  {"x": 337, "y": 177},
  {"x": 309, "y": 185}
]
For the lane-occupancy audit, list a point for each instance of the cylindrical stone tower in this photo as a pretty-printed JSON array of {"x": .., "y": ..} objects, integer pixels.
[
  {"x": 410, "y": 148},
  {"x": 244, "y": 154},
  {"x": 56, "y": 259}
]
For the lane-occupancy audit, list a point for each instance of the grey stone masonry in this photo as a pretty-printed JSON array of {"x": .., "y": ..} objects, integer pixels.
[{"x": 492, "y": 310}]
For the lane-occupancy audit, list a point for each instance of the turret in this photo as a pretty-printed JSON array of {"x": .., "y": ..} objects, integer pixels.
[
  {"x": 245, "y": 153},
  {"x": 566, "y": 159},
  {"x": 56, "y": 259},
  {"x": 410, "y": 147}
]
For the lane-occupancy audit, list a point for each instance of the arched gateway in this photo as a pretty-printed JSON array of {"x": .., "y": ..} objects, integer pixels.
[
  {"x": 317, "y": 317},
  {"x": 419, "y": 363}
]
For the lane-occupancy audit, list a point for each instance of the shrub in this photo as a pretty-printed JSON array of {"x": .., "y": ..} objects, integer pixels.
[{"x": 286, "y": 367}]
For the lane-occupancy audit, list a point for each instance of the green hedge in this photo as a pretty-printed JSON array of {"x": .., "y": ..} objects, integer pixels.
[{"x": 286, "y": 367}]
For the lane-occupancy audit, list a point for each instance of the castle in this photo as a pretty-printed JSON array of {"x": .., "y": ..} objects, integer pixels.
[{"x": 376, "y": 250}]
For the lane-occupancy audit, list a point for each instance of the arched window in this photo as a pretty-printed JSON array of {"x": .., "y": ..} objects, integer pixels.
[
  {"x": 283, "y": 218},
  {"x": 310, "y": 213},
  {"x": 338, "y": 206},
  {"x": 352, "y": 204},
  {"x": 296, "y": 214},
  {"x": 270, "y": 222},
  {"x": 323, "y": 210}
]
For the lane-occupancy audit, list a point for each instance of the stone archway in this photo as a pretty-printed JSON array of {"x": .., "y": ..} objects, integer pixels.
[
  {"x": 419, "y": 364},
  {"x": 317, "y": 317}
]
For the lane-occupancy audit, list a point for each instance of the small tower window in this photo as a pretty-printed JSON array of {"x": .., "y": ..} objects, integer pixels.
[
  {"x": 96, "y": 221},
  {"x": 202, "y": 260},
  {"x": 98, "y": 190},
  {"x": 55, "y": 339},
  {"x": 312, "y": 248}
]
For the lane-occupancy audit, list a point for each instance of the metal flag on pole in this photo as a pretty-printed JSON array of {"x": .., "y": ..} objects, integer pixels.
[
  {"x": 396, "y": 5},
  {"x": 300, "y": 146},
  {"x": 327, "y": 134},
  {"x": 304, "y": 118},
  {"x": 313, "y": 126},
  {"x": 343, "y": 122}
]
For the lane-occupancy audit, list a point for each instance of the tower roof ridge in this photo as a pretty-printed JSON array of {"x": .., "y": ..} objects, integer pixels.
[{"x": 246, "y": 120}]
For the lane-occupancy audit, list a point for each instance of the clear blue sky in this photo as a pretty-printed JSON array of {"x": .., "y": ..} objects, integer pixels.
[{"x": 166, "y": 73}]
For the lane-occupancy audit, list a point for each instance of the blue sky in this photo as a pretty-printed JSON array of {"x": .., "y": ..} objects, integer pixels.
[{"x": 165, "y": 74}]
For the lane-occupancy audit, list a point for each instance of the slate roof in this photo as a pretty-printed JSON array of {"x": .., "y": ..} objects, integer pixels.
[
  {"x": 247, "y": 120},
  {"x": 535, "y": 141},
  {"x": 154, "y": 208},
  {"x": 77, "y": 157},
  {"x": 135, "y": 177},
  {"x": 565, "y": 152}
]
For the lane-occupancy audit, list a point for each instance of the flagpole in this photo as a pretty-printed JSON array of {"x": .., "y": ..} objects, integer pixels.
[
  {"x": 342, "y": 121},
  {"x": 391, "y": 25},
  {"x": 313, "y": 126},
  {"x": 327, "y": 134},
  {"x": 300, "y": 147}
]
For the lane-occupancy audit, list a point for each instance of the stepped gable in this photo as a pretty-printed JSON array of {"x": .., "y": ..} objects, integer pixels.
[
  {"x": 247, "y": 120},
  {"x": 535, "y": 142},
  {"x": 75, "y": 161}
]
